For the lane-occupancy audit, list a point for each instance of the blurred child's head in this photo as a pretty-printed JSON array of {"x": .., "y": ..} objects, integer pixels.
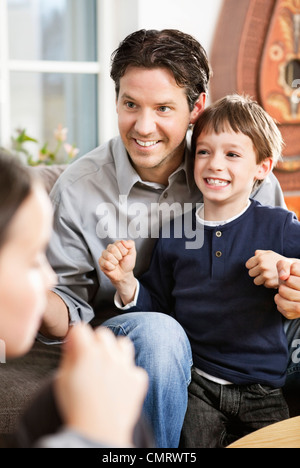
[
  {"x": 242, "y": 115},
  {"x": 25, "y": 275}
]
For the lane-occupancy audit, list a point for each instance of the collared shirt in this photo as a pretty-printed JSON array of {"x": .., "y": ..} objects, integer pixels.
[{"x": 99, "y": 199}]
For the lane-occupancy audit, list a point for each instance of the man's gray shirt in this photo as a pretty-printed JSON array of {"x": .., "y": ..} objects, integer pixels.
[{"x": 99, "y": 199}]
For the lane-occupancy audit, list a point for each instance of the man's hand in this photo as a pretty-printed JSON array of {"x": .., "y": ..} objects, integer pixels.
[
  {"x": 262, "y": 267},
  {"x": 117, "y": 263},
  {"x": 288, "y": 297}
]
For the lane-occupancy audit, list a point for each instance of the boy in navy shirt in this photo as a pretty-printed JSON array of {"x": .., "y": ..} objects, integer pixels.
[{"x": 236, "y": 333}]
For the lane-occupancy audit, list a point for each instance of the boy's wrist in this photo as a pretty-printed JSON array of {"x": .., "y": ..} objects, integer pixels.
[{"x": 127, "y": 288}]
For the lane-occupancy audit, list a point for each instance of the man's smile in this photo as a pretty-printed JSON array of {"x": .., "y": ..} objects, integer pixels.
[{"x": 146, "y": 144}]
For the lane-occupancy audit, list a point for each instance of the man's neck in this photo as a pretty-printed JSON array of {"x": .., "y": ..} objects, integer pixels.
[
  {"x": 156, "y": 175},
  {"x": 160, "y": 174}
]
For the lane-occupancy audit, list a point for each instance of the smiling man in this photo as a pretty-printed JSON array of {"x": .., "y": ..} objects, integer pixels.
[
  {"x": 153, "y": 116},
  {"x": 161, "y": 80}
]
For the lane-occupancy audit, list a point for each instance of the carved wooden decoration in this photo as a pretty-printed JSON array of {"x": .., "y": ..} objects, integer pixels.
[
  {"x": 280, "y": 66},
  {"x": 256, "y": 51}
]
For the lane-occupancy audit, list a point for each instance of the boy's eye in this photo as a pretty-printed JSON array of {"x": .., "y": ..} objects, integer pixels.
[
  {"x": 232, "y": 155},
  {"x": 202, "y": 152}
]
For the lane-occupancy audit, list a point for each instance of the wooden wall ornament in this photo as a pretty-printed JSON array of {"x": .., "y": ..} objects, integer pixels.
[
  {"x": 280, "y": 65},
  {"x": 256, "y": 51}
]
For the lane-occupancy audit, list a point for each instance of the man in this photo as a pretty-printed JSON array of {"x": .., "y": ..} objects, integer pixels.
[{"x": 122, "y": 189}]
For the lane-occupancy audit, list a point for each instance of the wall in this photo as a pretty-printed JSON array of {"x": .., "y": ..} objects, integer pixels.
[{"x": 196, "y": 17}]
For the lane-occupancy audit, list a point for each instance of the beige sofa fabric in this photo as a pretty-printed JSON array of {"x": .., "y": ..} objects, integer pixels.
[{"x": 49, "y": 174}]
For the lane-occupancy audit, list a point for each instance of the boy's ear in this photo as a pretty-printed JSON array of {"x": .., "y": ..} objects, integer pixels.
[
  {"x": 264, "y": 169},
  {"x": 198, "y": 108}
]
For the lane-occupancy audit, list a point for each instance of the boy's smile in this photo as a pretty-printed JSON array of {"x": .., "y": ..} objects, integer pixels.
[{"x": 216, "y": 183}]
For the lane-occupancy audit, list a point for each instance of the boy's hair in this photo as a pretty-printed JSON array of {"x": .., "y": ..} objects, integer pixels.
[
  {"x": 242, "y": 115},
  {"x": 180, "y": 53},
  {"x": 15, "y": 186}
]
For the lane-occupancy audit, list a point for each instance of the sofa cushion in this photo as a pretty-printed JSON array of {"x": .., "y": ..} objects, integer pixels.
[
  {"x": 21, "y": 378},
  {"x": 49, "y": 174}
]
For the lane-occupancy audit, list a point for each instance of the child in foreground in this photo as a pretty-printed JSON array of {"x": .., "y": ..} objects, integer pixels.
[
  {"x": 239, "y": 346},
  {"x": 98, "y": 392}
]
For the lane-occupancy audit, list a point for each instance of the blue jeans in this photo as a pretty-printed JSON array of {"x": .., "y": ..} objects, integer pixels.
[{"x": 163, "y": 350}]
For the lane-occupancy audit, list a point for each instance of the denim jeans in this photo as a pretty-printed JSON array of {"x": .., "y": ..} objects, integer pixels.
[
  {"x": 218, "y": 414},
  {"x": 163, "y": 350}
]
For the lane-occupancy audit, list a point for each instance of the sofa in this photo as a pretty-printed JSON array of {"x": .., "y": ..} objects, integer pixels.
[
  {"x": 48, "y": 174},
  {"x": 21, "y": 378}
]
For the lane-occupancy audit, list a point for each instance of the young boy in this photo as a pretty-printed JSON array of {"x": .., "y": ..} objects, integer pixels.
[{"x": 236, "y": 333}]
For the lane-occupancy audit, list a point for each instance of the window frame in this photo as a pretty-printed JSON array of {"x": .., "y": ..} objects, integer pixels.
[{"x": 101, "y": 68}]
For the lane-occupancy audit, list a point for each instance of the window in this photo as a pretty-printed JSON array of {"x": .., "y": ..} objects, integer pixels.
[{"x": 50, "y": 62}]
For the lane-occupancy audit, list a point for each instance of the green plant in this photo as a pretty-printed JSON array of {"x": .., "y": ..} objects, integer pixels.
[{"x": 45, "y": 155}]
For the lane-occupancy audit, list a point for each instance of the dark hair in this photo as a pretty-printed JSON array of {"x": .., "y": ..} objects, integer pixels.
[
  {"x": 178, "y": 52},
  {"x": 15, "y": 187},
  {"x": 242, "y": 114}
]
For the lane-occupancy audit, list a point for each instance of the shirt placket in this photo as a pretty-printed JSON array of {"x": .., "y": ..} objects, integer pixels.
[{"x": 218, "y": 254}]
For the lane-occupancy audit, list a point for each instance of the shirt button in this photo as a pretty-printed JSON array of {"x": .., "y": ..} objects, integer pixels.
[
  {"x": 219, "y": 254},
  {"x": 219, "y": 234},
  {"x": 166, "y": 195}
]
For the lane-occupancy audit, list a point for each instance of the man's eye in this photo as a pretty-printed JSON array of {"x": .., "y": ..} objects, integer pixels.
[
  {"x": 130, "y": 105},
  {"x": 164, "y": 109}
]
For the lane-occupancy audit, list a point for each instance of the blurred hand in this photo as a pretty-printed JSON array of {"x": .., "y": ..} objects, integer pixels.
[{"x": 99, "y": 389}]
